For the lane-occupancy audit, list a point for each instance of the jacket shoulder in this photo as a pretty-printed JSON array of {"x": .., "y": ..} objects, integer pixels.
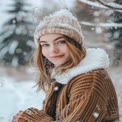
[
  {"x": 90, "y": 76},
  {"x": 95, "y": 80}
]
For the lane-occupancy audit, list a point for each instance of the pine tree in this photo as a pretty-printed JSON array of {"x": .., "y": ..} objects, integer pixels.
[
  {"x": 116, "y": 35},
  {"x": 16, "y": 41}
]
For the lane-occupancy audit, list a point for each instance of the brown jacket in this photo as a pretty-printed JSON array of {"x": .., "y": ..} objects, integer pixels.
[
  {"x": 84, "y": 93},
  {"x": 86, "y": 98}
]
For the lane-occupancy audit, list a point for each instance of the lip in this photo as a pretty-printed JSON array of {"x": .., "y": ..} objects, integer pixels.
[{"x": 56, "y": 56}]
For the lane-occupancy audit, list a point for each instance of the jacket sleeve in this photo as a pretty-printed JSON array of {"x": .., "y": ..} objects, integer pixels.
[
  {"x": 87, "y": 99},
  {"x": 34, "y": 115}
]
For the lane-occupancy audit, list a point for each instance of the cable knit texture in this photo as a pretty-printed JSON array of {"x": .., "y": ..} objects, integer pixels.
[{"x": 62, "y": 22}]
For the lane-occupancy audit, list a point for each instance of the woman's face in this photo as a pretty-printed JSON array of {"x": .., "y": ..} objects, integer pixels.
[{"x": 54, "y": 48}]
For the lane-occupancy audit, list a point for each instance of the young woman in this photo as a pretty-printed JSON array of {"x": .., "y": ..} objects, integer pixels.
[{"x": 77, "y": 87}]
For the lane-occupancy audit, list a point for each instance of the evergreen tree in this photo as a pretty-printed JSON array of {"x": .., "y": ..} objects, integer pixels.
[
  {"x": 116, "y": 35},
  {"x": 16, "y": 41}
]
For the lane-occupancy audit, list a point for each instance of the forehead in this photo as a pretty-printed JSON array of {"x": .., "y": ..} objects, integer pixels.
[{"x": 50, "y": 37}]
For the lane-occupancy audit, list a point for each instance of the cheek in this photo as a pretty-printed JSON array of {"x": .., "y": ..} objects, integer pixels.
[
  {"x": 44, "y": 52},
  {"x": 65, "y": 49}
]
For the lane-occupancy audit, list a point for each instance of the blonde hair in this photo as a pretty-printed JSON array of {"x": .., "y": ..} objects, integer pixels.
[{"x": 77, "y": 53}]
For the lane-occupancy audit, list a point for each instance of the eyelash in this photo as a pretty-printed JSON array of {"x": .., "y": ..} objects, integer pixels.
[
  {"x": 44, "y": 45},
  {"x": 62, "y": 41},
  {"x": 59, "y": 42}
]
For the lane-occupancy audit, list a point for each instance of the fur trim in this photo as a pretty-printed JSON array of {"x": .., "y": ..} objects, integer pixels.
[{"x": 95, "y": 59}]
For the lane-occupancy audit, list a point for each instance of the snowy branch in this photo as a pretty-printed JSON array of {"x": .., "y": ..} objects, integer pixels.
[
  {"x": 102, "y": 24},
  {"x": 111, "y": 5},
  {"x": 98, "y": 5}
]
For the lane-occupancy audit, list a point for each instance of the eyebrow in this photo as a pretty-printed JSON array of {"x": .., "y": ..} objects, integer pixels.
[{"x": 41, "y": 41}]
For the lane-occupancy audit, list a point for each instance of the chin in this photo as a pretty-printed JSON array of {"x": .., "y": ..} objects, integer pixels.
[{"x": 58, "y": 64}]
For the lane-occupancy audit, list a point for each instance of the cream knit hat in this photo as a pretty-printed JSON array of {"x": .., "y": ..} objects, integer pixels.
[{"x": 61, "y": 22}]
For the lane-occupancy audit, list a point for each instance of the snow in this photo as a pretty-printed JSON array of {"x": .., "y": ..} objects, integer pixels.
[
  {"x": 3, "y": 7},
  {"x": 15, "y": 62},
  {"x": 106, "y": 25},
  {"x": 17, "y": 96},
  {"x": 13, "y": 46},
  {"x": 56, "y": 88},
  {"x": 114, "y": 5},
  {"x": 98, "y": 5},
  {"x": 94, "y": 4},
  {"x": 95, "y": 114}
]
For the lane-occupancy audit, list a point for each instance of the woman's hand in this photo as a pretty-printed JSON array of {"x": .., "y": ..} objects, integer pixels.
[{"x": 16, "y": 117}]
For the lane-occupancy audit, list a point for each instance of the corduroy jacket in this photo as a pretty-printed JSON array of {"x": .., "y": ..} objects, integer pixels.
[
  {"x": 84, "y": 93},
  {"x": 86, "y": 98}
]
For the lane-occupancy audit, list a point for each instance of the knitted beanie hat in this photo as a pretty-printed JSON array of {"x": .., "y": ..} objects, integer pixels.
[{"x": 60, "y": 22}]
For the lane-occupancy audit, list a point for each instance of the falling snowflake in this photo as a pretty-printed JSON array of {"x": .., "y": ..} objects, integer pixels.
[
  {"x": 56, "y": 88},
  {"x": 95, "y": 114}
]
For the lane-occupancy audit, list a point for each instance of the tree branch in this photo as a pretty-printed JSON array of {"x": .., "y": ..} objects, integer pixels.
[
  {"x": 112, "y": 6},
  {"x": 108, "y": 25},
  {"x": 98, "y": 5}
]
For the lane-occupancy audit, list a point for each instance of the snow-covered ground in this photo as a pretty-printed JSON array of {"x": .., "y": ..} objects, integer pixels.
[
  {"x": 16, "y": 92},
  {"x": 116, "y": 76}
]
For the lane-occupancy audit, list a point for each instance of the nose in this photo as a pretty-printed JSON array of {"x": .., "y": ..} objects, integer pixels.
[{"x": 54, "y": 49}]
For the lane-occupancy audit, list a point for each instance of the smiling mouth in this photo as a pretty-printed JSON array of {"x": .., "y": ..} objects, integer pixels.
[{"x": 57, "y": 56}]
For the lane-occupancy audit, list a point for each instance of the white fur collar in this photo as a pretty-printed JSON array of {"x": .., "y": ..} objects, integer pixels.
[{"x": 95, "y": 58}]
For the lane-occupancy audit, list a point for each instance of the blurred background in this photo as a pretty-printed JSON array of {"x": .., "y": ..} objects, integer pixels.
[{"x": 102, "y": 27}]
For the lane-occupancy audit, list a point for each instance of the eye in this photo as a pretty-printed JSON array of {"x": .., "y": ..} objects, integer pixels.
[
  {"x": 61, "y": 42},
  {"x": 44, "y": 45}
]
